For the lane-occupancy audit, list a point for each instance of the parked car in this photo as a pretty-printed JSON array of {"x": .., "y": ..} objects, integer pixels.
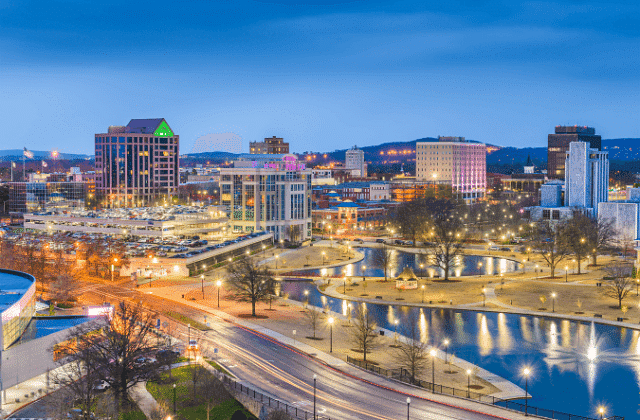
[
  {"x": 380, "y": 241},
  {"x": 101, "y": 386}
]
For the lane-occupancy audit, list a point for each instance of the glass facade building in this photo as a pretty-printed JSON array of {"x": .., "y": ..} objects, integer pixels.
[
  {"x": 17, "y": 304},
  {"x": 137, "y": 165},
  {"x": 28, "y": 197}
]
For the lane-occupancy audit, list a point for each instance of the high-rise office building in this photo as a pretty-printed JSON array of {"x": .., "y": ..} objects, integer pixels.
[
  {"x": 587, "y": 177},
  {"x": 272, "y": 196},
  {"x": 558, "y": 146},
  {"x": 354, "y": 161},
  {"x": 270, "y": 146},
  {"x": 455, "y": 162},
  {"x": 137, "y": 165}
]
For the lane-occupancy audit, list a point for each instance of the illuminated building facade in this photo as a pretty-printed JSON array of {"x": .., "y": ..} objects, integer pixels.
[
  {"x": 17, "y": 304},
  {"x": 274, "y": 196},
  {"x": 270, "y": 146},
  {"x": 456, "y": 162},
  {"x": 27, "y": 197},
  {"x": 138, "y": 164}
]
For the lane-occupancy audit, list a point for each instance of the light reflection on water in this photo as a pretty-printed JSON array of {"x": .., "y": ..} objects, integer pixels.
[
  {"x": 465, "y": 265},
  {"x": 563, "y": 378}
]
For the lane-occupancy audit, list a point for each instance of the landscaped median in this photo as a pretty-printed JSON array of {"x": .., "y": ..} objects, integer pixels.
[
  {"x": 186, "y": 320},
  {"x": 196, "y": 391}
]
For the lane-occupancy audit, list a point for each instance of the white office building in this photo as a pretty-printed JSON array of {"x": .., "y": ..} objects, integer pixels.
[
  {"x": 456, "y": 162},
  {"x": 272, "y": 196},
  {"x": 586, "y": 185},
  {"x": 354, "y": 162}
]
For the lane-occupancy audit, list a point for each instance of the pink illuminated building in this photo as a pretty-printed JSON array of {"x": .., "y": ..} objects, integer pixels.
[{"x": 456, "y": 162}]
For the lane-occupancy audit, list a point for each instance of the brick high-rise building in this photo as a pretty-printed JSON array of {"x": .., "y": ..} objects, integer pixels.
[
  {"x": 137, "y": 164},
  {"x": 270, "y": 146},
  {"x": 558, "y": 146}
]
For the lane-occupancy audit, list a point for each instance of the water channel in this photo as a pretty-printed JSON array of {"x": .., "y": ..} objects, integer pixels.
[{"x": 576, "y": 366}]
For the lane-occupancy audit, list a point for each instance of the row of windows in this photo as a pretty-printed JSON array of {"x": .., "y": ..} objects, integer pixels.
[{"x": 155, "y": 140}]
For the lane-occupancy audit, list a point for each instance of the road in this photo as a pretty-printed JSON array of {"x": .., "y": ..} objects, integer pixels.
[{"x": 287, "y": 374}]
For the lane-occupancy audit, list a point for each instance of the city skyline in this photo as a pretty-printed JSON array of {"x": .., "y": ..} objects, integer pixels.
[{"x": 323, "y": 73}]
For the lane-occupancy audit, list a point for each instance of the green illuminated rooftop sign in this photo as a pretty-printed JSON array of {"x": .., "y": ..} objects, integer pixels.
[{"x": 163, "y": 130}]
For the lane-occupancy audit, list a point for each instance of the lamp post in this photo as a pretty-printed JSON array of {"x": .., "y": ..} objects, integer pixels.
[
  {"x": 566, "y": 273},
  {"x": 469, "y": 372},
  {"x": 637, "y": 284},
  {"x": 306, "y": 299},
  {"x": 324, "y": 254},
  {"x": 364, "y": 267},
  {"x": 344, "y": 285},
  {"x": 601, "y": 411},
  {"x": 408, "y": 405},
  {"x": 315, "y": 377},
  {"x": 484, "y": 296},
  {"x": 202, "y": 282},
  {"x": 553, "y": 301},
  {"x": 433, "y": 370},
  {"x": 446, "y": 350},
  {"x": 422, "y": 270},
  {"x": 115, "y": 260},
  {"x": 395, "y": 330},
  {"x": 218, "y": 283},
  {"x": 174, "y": 399},
  {"x": 277, "y": 261},
  {"x": 330, "y": 321},
  {"x": 526, "y": 372},
  {"x": 422, "y": 293}
]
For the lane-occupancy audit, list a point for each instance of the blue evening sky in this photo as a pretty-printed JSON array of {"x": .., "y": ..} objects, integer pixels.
[{"x": 322, "y": 74}]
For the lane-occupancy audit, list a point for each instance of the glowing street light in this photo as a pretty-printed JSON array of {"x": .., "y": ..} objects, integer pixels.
[
  {"x": 219, "y": 284},
  {"x": 315, "y": 377},
  {"x": 469, "y": 372},
  {"x": 484, "y": 296},
  {"x": 566, "y": 273},
  {"x": 433, "y": 369},
  {"x": 324, "y": 254},
  {"x": 202, "y": 282},
  {"x": 553, "y": 301},
  {"x": 423, "y": 293},
  {"x": 446, "y": 349},
  {"x": 409, "y": 404},
  {"x": 601, "y": 411},
  {"x": 526, "y": 372},
  {"x": 330, "y": 321}
]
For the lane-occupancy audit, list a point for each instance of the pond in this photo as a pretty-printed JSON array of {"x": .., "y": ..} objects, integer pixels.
[
  {"x": 465, "y": 265},
  {"x": 576, "y": 366}
]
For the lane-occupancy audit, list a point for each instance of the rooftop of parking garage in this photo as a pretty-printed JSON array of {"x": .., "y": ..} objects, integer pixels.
[{"x": 158, "y": 213}]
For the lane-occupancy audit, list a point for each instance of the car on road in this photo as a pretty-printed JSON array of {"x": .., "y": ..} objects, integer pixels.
[
  {"x": 193, "y": 345},
  {"x": 101, "y": 386}
]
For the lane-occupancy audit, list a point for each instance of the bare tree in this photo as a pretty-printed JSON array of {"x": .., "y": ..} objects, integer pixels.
[
  {"x": 78, "y": 381},
  {"x": 576, "y": 236},
  {"x": 383, "y": 257},
  {"x": 198, "y": 373},
  {"x": 313, "y": 318},
  {"x": 413, "y": 353},
  {"x": 601, "y": 236},
  {"x": 548, "y": 241},
  {"x": 213, "y": 391},
  {"x": 619, "y": 284},
  {"x": 409, "y": 219},
  {"x": 63, "y": 286},
  {"x": 626, "y": 242},
  {"x": 446, "y": 237},
  {"x": 115, "y": 349},
  {"x": 364, "y": 331},
  {"x": 249, "y": 282}
]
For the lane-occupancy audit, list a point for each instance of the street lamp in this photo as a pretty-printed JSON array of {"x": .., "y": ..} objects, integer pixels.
[
  {"x": 277, "y": 261},
  {"x": 408, "y": 404},
  {"x": 446, "y": 350},
  {"x": 218, "y": 283},
  {"x": 423, "y": 293},
  {"x": 484, "y": 296},
  {"x": 553, "y": 301},
  {"x": 433, "y": 370},
  {"x": 601, "y": 411},
  {"x": 469, "y": 372},
  {"x": 174, "y": 399},
  {"x": 202, "y": 282},
  {"x": 315, "y": 377},
  {"x": 324, "y": 254},
  {"x": 422, "y": 270},
  {"x": 330, "y": 321},
  {"x": 364, "y": 267},
  {"x": 306, "y": 298},
  {"x": 566, "y": 273},
  {"x": 395, "y": 332},
  {"x": 526, "y": 371}
]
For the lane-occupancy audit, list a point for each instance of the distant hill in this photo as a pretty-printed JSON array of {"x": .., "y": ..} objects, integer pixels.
[{"x": 16, "y": 154}]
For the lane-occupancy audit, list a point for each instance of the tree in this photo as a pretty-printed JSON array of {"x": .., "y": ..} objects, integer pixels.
[
  {"x": 413, "y": 353},
  {"x": 77, "y": 380},
  {"x": 446, "y": 237},
  {"x": 313, "y": 318},
  {"x": 115, "y": 349},
  {"x": 408, "y": 218},
  {"x": 63, "y": 286},
  {"x": 577, "y": 236},
  {"x": 249, "y": 282},
  {"x": 601, "y": 236},
  {"x": 364, "y": 331},
  {"x": 198, "y": 373},
  {"x": 548, "y": 241},
  {"x": 619, "y": 284},
  {"x": 213, "y": 391},
  {"x": 383, "y": 257}
]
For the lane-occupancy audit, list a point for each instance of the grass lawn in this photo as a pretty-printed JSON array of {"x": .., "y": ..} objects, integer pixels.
[
  {"x": 186, "y": 320},
  {"x": 163, "y": 393},
  {"x": 219, "y": 368}
]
